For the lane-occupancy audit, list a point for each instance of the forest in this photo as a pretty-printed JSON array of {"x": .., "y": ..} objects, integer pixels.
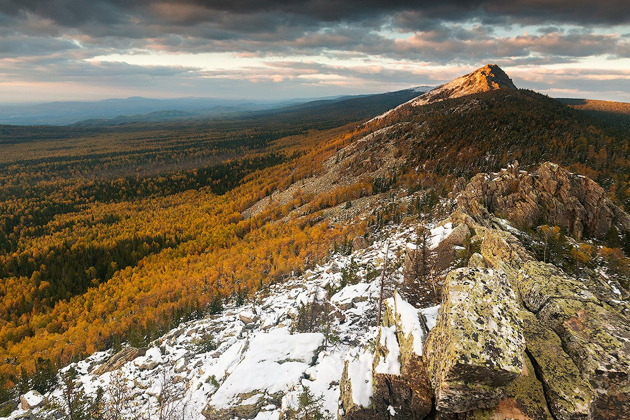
[
  {"x": 110, "y": 236},
  {"x": 114, "y": 234}
]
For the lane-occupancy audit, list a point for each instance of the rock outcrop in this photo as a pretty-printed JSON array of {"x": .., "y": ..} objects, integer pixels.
[
  {"x": 248, "y": 407},
  {"x": 520, "y": 338},
  {"x": 549, "y": 195},
  {"x": 577, "y": 341},
  {"x": 477, "y": 346},
  {"x": 119, "y": 359}
]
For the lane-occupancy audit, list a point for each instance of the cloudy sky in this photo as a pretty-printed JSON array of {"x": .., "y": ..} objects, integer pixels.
[{"x": 95, "y": 49}]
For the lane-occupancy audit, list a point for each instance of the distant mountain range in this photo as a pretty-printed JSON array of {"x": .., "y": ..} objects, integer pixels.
[
  {"x": 64, "y": 113},
  {"x": 148, "y": 110}
]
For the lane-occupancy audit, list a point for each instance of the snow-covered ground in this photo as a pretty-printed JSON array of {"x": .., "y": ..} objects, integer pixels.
[{"x": 259, "y": 360}]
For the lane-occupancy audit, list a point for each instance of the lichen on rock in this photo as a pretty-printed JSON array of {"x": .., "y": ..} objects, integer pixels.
[
  {"x": 477, "y": 346},
  {"x": 568, "y": 394},
  {"x": 539, "y": 282},
  {"x": 524, "y": 399}
]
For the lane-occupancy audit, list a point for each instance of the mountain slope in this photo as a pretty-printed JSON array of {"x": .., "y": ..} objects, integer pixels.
[{"x": 613, "y": 114}]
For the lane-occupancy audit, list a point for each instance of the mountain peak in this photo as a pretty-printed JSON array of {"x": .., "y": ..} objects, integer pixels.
[
  {"x": 490, "y": 77},
  {"x": 487, "y": 78},
  {"x": 484, "y": 79}
]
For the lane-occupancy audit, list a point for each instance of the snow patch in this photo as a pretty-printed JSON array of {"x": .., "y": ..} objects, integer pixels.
[
  {"x": 360, "y": 375},
  {"x": 409, "y": 320},
  {"x": 33, "y": 398},
  {"x": 275, "y": 361},
  {"x": 391, "y": 364},
  {"x": 430, "y": 314}
]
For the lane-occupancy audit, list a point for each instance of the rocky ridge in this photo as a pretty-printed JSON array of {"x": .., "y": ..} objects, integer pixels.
[
  {"x": 516, "y": 337},
  {"x": 549, "y": 193}
]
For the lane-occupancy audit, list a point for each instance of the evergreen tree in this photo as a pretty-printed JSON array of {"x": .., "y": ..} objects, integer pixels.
[
  {"x": 45, "y": 377},
  {"x": 309, "y": 407},
  {"x": 75, "y": 404}
]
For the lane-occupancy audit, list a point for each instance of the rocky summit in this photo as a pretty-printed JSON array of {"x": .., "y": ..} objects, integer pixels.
[{"x": 487, "y": 78}]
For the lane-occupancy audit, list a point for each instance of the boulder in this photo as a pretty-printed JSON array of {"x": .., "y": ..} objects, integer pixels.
[
  {"x": 31, "y": 400},
  {"x": 356, "y": 389},
  {"x": 247, "y": 317},
  {"x": 476, "y": 260},
  {"x": 151, "y": 359},
  {"x": 457, "y": 237},
  {"x": 503, "y": 251},
  {"x": 568, "y": 394},
  {"x": 403, "y": 390},
  {"x": 359, "y": 243},
  {"x": 247, "y": 407},
  {"x": 350, "y": 295},
  {"x": 476, "y": 348},
  {"x": 120, "y": 359},
  {"x": 409, "y": 327}
]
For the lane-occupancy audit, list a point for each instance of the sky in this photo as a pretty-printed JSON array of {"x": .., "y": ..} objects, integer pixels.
[{"x": 279, "y": 49}]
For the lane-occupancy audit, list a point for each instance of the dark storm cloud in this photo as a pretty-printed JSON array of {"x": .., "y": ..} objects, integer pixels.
[
  {"x": 314, "y": 26},
  {"x": 77, "y": 13}
]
